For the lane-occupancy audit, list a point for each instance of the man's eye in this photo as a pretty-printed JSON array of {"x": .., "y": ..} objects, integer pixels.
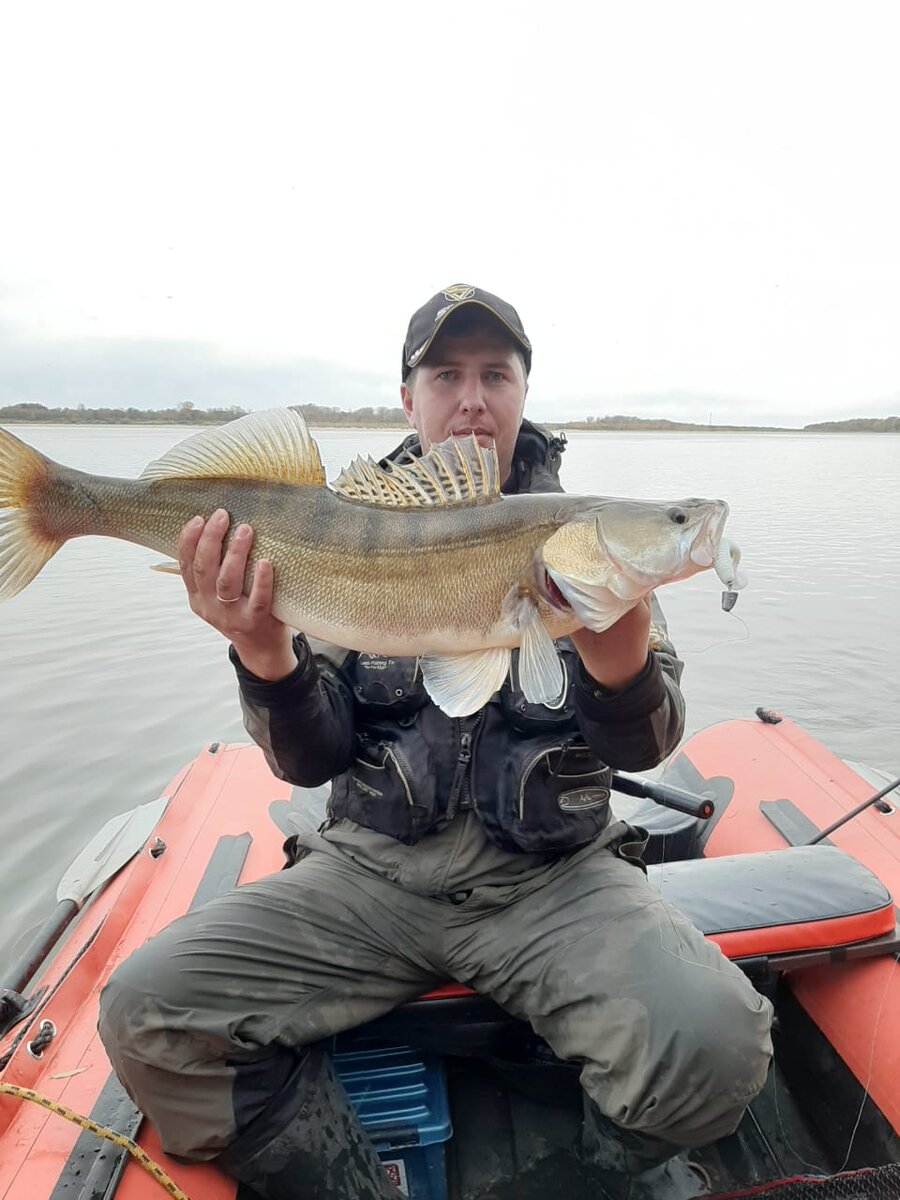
[
  {"x": 494, "y": 376},
  {"x": 446, "y": 375}
]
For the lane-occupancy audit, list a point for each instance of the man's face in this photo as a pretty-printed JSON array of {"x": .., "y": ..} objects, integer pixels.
[{"x": 470, "y": 384}]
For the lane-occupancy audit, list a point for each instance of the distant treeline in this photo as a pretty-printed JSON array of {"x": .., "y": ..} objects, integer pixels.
[
  {"x": 852, "y": 425},
  {"x": 321, "y": 415},
  {"x": 318, "y": 414},
  {"x": 620, "y": 422},
  {"x": 859, "y": 425},
  {"x": 184, "y": 414},
  {"x": 187, "y": 414}
]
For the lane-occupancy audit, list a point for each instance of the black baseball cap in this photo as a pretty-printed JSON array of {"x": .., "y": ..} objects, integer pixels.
[{"x": 426, "y": 322}]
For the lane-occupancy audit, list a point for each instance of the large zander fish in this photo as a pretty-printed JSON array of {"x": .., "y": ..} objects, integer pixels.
[{"x": 424, "y": 557}]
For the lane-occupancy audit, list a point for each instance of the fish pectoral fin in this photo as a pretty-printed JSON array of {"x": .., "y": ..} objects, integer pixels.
[
  {"x": 459, "y": 471},
  {"x": 274, "y": 446},
  {"x": 167, "y": 568},
  {"x": 540, "y": 670},
  {"x": 596, "y": 606},
  {"x": 461, "y": 684}
]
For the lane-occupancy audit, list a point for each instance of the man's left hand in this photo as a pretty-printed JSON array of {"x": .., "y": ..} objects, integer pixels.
[{"x": 616, "y": 656}]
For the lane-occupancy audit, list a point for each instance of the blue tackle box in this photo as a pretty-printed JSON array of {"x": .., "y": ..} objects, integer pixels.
[{"x": 401, "y": 1097}]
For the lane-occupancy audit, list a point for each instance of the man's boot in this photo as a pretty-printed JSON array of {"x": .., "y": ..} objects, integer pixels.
[
  {"x": 635, "y": 1166},
  {"x": 309, "y": 1143}
]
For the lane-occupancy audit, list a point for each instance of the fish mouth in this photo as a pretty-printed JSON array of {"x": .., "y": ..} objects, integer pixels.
[{"x": 706, "y": 544}]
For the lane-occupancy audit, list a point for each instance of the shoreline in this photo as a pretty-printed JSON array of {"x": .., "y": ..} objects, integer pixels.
[{"x": 563, "y": 426}]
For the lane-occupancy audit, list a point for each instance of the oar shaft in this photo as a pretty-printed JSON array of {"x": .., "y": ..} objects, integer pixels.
[{"x": 19, "y": 975}]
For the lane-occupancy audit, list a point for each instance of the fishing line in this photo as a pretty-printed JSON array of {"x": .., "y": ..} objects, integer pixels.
[
  {"x": 727, "y": 568},
  {"x": 862, "y": 1105},
  {"x": 815, "y": 1166},
  {"x": 669, "y": 911},
  {"x": 820, "y": 1170},
  {"x": 724, "y": 641}
]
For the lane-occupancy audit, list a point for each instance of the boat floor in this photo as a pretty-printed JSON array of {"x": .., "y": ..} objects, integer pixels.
[{"x": 516, "y": 1127}]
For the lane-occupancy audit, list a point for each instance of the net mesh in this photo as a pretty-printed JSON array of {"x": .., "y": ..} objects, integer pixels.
[{"x": 871, "y": 1183}]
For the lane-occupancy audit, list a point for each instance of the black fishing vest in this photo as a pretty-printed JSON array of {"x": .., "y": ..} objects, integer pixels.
[{"x": 524, "y": 768}]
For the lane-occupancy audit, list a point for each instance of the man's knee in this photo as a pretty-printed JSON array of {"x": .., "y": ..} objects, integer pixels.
[
  {"x": 140, "y": 1010},
  {"x": 690, "y": 1082},
  {"x": 727, "y": 1050}
]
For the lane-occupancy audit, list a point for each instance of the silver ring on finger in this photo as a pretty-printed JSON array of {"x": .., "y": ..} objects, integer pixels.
[{"x": 226, "y": 600}]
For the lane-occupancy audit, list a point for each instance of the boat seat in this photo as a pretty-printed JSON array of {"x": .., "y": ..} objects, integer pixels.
[{"x": 783, "y": 904}]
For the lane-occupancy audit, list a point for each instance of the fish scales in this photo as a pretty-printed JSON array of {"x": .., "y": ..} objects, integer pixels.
[
  {"x": 404, "y": 578},
  {"x": 452, "y": 574}
]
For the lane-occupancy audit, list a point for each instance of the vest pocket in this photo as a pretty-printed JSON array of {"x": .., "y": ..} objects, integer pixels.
[
  {"x": 384, "y": 790},
  {"x": 553, "y": 796}
]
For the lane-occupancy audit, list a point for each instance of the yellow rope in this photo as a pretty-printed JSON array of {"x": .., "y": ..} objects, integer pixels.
[{"x": 118, "y": 1139}]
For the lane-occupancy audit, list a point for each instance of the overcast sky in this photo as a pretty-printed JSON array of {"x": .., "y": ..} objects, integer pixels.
[{"x": 694, "y": 206}]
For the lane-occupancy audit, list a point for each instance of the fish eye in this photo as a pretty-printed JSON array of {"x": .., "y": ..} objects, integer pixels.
[{"x": 678, "y": 515}]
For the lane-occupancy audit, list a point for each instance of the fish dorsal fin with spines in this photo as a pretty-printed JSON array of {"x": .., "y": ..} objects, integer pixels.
[
  {"x": 275, "y": 446},
  {"x": 458, "y": 471}
]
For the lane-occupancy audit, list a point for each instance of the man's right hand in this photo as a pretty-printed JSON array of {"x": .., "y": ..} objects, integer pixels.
[{"x": 214, "y": 574}]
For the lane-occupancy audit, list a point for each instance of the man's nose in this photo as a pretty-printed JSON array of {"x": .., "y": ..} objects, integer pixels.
[{"x": 472, "y": 395}]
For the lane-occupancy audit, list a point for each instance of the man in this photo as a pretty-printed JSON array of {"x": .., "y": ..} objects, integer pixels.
[{"x": 453, "y": 850}]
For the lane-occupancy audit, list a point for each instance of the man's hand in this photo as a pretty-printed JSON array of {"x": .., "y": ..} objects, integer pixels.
[
  {"x": 215, "y": 583},
  {"x": 618, "y": 655}
]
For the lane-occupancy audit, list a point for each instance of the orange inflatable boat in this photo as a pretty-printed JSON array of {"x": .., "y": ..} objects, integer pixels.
[{"x": 462, "y": 1101}]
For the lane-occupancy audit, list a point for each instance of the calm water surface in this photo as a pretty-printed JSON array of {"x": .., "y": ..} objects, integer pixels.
[{"x": 109, "y": 683}]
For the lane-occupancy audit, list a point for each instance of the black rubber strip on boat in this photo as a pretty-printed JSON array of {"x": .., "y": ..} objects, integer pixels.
[
  {"x": 95, "y": 1166},
  {"x": 791, "y": 822}
]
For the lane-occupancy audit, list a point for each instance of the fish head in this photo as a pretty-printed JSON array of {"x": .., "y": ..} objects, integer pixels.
[
  {"x": 652, "y": 544},
  {"x": 613, "y": 552}
]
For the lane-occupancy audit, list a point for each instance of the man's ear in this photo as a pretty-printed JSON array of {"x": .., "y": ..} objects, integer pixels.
[{"x": 406, "y": 399}]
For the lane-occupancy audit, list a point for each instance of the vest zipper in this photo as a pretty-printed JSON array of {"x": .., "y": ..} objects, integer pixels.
[
  {"x": 397, "y": 758},
  {"x": 460, "y": 786}
]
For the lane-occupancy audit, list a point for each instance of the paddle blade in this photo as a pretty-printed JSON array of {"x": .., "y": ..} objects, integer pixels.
[{"x": 109, "y": 850}]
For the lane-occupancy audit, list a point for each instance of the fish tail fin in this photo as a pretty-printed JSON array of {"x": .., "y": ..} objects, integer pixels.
[{"x": 24, "y": 546}]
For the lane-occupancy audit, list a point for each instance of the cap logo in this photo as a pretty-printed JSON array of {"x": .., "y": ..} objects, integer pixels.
[{"x": 458, "y": 293}]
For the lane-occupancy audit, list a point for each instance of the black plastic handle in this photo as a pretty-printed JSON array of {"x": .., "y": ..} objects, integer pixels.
[{"x": 671, "y": 797}]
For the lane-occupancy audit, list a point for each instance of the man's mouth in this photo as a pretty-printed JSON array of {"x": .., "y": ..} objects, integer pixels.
[{"x": 483, "y": 435}]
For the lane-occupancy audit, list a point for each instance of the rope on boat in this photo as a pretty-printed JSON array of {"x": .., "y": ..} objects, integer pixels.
[{"x": 118, "y": 1139}]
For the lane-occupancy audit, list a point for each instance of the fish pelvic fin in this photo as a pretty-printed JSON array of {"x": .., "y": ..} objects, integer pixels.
[
  {"x": 541, "y": 672},
  {"x": 167, "y": 568},
  {"x": 24, "y": 546},
  {"x": 273, "y": 446},
  {"x": 459, "y": 471},
  {"x": 461, "y": 684}
]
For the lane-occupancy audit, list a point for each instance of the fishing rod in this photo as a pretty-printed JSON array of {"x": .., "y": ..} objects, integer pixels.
[{"x": 854, "y": 812}]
